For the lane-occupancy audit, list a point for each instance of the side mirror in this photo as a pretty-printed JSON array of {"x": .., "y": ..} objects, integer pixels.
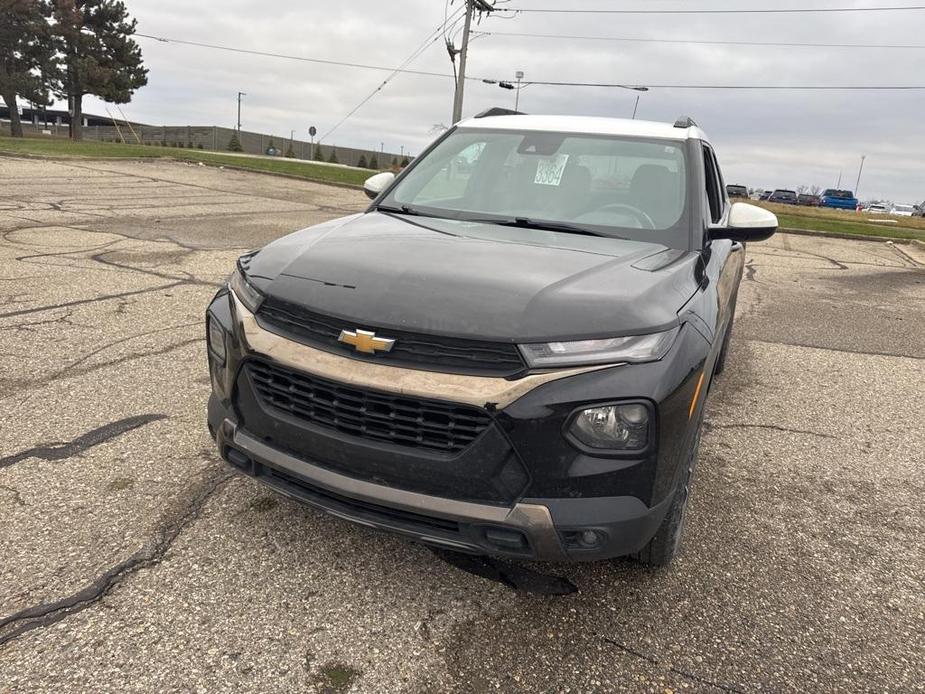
[
  {"x": 747, "y": 223},
  {"x": 376, "y": 184}
]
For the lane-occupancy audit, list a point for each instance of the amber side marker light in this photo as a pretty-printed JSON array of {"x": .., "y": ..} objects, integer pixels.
[{"x": 690, "y": 412}]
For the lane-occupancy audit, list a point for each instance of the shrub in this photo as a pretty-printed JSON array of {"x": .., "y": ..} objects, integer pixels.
[
  {"x": 319, "y": 155},
  {"x": 189, "y": 145},
  {"x": 373, "y": 162},
  {"x": 333, "y": 158},
  {"x": 234, "y": 144},
  {"x": 199, "y": 146},
  {"x": 362, "y": 162},
  {"x": 404, "y": 162}
]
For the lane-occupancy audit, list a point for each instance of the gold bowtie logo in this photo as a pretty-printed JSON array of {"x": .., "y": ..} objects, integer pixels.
[{"x": 366, "y": 341}]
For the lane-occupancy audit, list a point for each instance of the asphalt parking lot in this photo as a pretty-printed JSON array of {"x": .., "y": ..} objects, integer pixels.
[{"x": 131, "y": 560}]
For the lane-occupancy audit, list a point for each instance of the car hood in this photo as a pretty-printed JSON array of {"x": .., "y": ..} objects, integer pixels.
[{"x": 476, "y": 280}]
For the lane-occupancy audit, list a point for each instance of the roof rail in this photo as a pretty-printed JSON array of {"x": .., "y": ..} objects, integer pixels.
[
  {"x": 685, "y": 122},
  {"x": 498, "y": 111}
]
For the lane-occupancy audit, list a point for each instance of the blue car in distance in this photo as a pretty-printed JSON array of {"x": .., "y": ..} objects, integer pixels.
[{"x": 839, "y": 199}]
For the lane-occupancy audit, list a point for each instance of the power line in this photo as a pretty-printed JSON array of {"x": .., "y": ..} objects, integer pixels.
[
  {"x": 322, "y": 61},
  {"x": 631, "y": 39},
  {"x": 431, "y": 37},
  {"x": 777, "y": 87},
  {"x": 796, "y": 10},
  {"x": 405, "y": 70}
]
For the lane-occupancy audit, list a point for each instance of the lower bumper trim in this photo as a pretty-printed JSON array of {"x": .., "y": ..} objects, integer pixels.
[
  {"x": 548, "y": 526},
  {"x": 382, "y": 507}
]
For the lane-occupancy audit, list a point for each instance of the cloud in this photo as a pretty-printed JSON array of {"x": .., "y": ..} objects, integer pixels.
[{"x": 763, "y": 138}]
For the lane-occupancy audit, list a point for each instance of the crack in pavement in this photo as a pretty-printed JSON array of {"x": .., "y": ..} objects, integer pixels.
[
  {"x": 80, "y": 302},
  {"x": 773, "y": 427},
  {"x": 171, "y": 525},
  {"x": 17, "y": 497},
  {"x": 683, "y": 673},
  {"x": 30, "y": 326},
  {"x": 69, "y": 372},
  {"x": 189, "y": 279},
  {"x": 61, "y": 450}
]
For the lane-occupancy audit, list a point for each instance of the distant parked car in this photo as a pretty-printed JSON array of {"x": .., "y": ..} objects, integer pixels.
[
  {"x": 875, "y": 208},
  {"x": 764, "y": 195},
  {"x": 808, "y": 200},
  {"x": 902, "y": 210},
  {"x": 785, "y": 197},
  {"x": 734, "y": 191},
  {"x": 839, "y": 199}
]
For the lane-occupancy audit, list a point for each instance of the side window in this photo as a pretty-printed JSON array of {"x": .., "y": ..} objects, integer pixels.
[{"x": 714, "y": 195}]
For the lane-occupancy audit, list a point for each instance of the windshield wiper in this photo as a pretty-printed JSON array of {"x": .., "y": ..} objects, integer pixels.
[
  {"x": 403, "y": 209},
  {"x": 545, "y": 225}
]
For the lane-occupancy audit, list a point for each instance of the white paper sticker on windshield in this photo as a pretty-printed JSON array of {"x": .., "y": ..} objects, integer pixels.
[{"x": 549, "y": 171}]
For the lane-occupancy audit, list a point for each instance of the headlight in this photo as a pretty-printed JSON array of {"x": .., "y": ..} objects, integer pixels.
[
  {"x": 612, "y": 427},
  {"x": 215, "y": 335},
  {"x": 249, "y": 295},
  {"x": 635, "y": 349}
]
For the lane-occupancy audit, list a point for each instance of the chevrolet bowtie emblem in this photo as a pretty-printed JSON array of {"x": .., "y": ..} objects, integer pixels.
[{"x": 366, "y": 341}]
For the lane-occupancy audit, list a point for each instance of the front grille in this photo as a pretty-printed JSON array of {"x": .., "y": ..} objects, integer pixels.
[
  {"x": 412, "y": 349},
  {"x": 405, "y": 421}
]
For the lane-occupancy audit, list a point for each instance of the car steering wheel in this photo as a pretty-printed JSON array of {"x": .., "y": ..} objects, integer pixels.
[{"x": 643, "y": 218}]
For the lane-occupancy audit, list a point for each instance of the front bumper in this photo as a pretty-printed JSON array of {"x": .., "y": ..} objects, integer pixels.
[
  {"x": 538, "y": 529},
  {"x": 521, "y": 489}
]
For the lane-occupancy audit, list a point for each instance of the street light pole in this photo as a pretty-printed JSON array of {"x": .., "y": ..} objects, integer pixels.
[
  {"x": 636, "y": 106},
  {"x": 519, "y": 75},
  {"x": 240, "y": 94},
  {"x": 857, "y": 185}
]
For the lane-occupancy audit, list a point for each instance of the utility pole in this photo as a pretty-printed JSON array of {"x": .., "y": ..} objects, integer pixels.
[
  {"x": 636, "y": 106},
  {"x": 857, "y": 185},
  {"x": 838, "y": 185},
  {"x": 471, "y": 6},
  {"x": 240, "y": 94}
]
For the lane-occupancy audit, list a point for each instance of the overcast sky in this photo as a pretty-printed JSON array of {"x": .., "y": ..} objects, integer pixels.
[{"x": 763, "y": 138}]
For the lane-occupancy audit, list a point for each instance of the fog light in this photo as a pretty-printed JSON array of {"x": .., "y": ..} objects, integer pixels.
[
  {"x": 613, "y": 427},
  {"x": 589, "y": 537}
]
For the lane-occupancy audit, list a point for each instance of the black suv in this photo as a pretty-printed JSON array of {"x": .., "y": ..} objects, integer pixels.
[
  {"x": 785, "y": 197},
  {"x": 506, "y": 357}
]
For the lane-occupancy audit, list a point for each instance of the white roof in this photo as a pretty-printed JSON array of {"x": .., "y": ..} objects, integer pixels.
[{"x": 586, "y": 124}]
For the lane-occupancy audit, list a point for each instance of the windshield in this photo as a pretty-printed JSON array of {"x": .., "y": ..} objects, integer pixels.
[{"x": 609, "y": 186}]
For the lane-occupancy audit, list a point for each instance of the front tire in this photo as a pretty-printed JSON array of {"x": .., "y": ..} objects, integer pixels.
[{"x": 664, "y": 546}]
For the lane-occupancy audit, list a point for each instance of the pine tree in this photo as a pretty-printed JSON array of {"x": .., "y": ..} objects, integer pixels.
[
  {"x": 234, "y": 144},
  {"x": 362, "y": 162},
  {"x": 373, "y": 162},
  {"x": 319, "y": 155},
  {"x": 28, "y": 65},
  {"x": 333, "y": 158},
  {"x": 100, "y": 57},
  {"x": 404, "y": 162}
]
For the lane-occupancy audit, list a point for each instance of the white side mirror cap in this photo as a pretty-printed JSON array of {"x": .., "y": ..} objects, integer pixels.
[
  {"x": 376, "y": 184},
  {"x": 747, "y": 223},
  {"x": 746, "y": 216}
]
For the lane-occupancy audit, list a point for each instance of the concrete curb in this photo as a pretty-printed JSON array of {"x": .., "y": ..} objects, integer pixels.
[{"x": 849, "y": 237}]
